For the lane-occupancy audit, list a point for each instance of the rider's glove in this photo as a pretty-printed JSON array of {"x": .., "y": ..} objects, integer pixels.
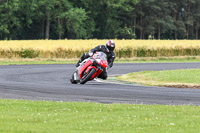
[{"x": 90, "y": 53}]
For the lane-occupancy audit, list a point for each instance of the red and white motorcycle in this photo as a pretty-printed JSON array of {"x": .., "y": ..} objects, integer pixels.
[{"x": 90, "y": 68}]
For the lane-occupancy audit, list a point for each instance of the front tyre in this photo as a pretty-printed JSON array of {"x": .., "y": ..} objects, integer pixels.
[{"x": 87, "y": 77}]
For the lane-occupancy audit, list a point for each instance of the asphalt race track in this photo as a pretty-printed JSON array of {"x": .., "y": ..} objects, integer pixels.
[{"x": 51, "y": 82}]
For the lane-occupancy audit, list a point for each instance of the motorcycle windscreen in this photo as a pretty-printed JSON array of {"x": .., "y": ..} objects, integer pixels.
[{"x": 101, "y": 58}]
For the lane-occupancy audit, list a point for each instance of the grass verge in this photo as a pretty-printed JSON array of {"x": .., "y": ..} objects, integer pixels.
[
  {"x": 185, "y": 78},
  {"x": 48, "y": 116},
  {"x": 35, "y": 61},
  {"x": 26, "y": 61}
]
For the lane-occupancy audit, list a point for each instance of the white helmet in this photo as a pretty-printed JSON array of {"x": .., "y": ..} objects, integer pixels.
[{"x": 110, "y": 44}]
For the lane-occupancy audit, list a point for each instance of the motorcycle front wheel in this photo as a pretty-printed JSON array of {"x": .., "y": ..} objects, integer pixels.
[{"x": 87, "y": 77}]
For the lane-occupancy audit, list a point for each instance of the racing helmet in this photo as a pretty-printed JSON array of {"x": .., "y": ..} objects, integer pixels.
[{"x": 110, "y": 44}]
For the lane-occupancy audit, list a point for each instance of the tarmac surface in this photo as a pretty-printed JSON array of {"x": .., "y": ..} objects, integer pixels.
[{"x": 51, "y": 82}]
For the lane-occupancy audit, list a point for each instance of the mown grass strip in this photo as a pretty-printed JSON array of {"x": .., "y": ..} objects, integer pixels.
[
  {"x": 48, "y": 116},
  {"x": 35, "y": 62},
  {"x": 185, "y": 78},
  {"x": 28, "y": 61}
]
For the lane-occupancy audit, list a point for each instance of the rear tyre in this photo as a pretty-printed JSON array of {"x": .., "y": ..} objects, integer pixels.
[
  {"x": 87, "y": 77},
  {"x": 72, "y": 80}
]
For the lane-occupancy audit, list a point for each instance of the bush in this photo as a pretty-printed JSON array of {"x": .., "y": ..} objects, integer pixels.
[{"x": 29, "y": 53}]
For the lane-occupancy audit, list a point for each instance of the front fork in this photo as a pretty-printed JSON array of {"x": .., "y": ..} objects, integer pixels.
[{"x": 76, "y": 76}]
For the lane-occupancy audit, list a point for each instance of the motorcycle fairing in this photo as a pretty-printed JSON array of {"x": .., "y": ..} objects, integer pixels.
[
  {"x": 89, "y": 68},
  {"x": 86, "y": 63},
  {"x": 97, "y": 74}
]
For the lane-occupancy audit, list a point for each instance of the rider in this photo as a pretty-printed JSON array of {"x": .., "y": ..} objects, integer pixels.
[{"x": 108, "y": 49}]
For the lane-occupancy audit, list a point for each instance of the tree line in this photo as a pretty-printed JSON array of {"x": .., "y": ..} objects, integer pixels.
[{"x": 101, "y": 19}]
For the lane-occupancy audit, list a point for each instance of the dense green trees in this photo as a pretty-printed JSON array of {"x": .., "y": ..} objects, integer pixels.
[{"x": 102, "y": 19}]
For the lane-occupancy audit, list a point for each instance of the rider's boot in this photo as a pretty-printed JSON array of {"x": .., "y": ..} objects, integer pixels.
[
  {"x": 78, "y": 64},
  {"x": 83, "y": 57}
]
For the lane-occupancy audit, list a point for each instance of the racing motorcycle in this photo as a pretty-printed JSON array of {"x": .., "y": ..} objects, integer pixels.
[{"x": 90, "y": 68}]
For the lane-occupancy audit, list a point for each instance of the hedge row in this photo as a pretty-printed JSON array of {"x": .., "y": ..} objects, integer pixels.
[{"x": 121, "y": 53}]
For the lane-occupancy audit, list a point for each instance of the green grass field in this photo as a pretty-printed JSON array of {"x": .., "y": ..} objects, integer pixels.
[
  {"x": 170, "y": 78},
  {"x": 20, "y": 116}
]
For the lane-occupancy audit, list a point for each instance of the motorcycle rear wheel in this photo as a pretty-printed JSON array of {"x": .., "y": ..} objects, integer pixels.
[{"x": 87, "y": 77}]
